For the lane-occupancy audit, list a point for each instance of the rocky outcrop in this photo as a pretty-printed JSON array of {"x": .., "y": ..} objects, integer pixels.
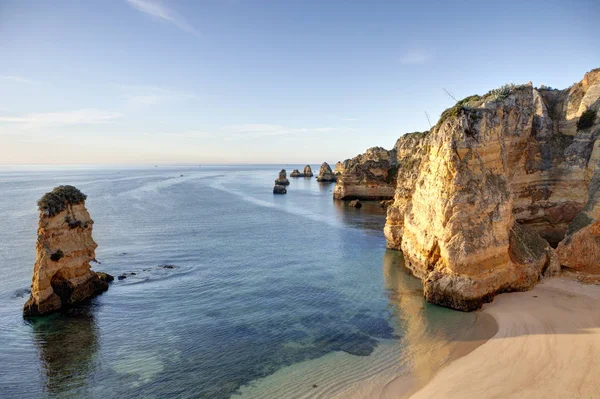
[
  {"x": 483, "y": 198},
  {"x": 279, "y": 189},
  {"x": 355, "y": 204},
  {"x": 368, "y": 176},
  {"x": 307, "y": 172},
  {"x": 62, "y": 275},
  {"x": 282, "y": 178},
  {"x": 325, "y": 173}
]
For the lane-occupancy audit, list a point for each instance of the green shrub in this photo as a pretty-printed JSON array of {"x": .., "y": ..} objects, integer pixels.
[
  {"x": 57, "y": 200},
  {"x": 586, "y": 120},
  {"x": 465, "y": 104}
]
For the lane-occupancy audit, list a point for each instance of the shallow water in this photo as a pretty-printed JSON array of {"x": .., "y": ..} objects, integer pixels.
[{"x": 260, "y": 284}]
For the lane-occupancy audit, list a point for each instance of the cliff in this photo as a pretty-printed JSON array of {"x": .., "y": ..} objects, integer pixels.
[
  {"x": 62, "y": 275},
  {"x": 368, "y": 176},
  {"x": 484, "y": 197},
  {"x": 325, "y": 173}
]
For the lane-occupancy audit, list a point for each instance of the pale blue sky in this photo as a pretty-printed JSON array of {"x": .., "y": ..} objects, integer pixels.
[{"x": 220, "y": 81}]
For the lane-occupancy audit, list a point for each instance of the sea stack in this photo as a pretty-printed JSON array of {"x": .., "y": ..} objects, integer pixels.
[
  {"x": 279, "y": 189},
  {"x": 325, "y": 173},
  {"x": 307, "y": 171},
  {"x": 502, "y": 179},
  {"x": 62, "y": 275},
  {"x": 282, "y": 178},
  {"x": 296, "y": 173},
  {"x": 370, "y": 176}
]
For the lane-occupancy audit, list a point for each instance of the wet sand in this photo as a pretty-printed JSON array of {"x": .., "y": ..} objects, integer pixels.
[{"x": 547, "y": 345}]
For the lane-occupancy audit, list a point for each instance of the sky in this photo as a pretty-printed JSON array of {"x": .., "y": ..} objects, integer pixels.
[{"x": 273, "y": 81}]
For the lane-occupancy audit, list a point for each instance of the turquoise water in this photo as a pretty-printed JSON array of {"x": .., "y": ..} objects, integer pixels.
[{"x": 259, "y": 282}]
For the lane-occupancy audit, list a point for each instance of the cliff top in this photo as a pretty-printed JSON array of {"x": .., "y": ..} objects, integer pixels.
[{"x": 57, "y": 200}]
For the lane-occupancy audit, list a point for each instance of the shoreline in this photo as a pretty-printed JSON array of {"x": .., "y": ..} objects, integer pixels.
[{"x": 547, "y": 345}]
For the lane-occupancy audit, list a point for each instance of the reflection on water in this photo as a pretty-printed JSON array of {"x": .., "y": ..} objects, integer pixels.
[
  {"x": 433, "y": 335},
  {"x": 67, "y": 345},
  {"x": 371, "y": 217}
]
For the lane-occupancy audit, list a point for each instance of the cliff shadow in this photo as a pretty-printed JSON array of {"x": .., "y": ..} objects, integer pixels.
[
  {"x": 67, "y": 344},
  {"x": 369, "y": 217}
]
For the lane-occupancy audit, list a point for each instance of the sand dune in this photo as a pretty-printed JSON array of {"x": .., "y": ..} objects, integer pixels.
[{"x": 547, "y": 345}]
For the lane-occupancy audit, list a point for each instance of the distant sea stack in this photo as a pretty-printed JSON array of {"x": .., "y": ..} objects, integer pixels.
[
  {"x": 500, "y": 181},
  {"x": 62, "y": 275},
  {"x": 279, "y": 189},
  {"x": 296, "y": 173},
  {"x": 325, "y": 173},
  {"x": 307, "y": 171},
  {"x": 370, "y": 176},
  {"x": 282, "y": 178}
]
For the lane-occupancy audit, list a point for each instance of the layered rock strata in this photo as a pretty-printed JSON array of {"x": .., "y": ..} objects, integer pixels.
[
  {"x": 282, "y": 178},
  {"x": 482, "y": 199},
  {"x": 368, "y": 176},
  {"x": 325, "y": 173},
  {"x": 62, "y": 275}
]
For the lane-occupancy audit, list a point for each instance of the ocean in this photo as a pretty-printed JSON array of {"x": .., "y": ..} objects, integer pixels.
[{"x": 231, "y": 291}]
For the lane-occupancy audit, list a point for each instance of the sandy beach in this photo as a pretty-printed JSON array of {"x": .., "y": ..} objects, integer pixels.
[{"x": 547, "y": 345}]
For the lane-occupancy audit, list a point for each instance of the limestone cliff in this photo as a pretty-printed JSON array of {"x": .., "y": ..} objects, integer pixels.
[
  {"x": 325, "y": 173},
  {"x": 62, "y": 275},
  {"x": 484, "y": 196},
  {"x": 368, "y": 176}
]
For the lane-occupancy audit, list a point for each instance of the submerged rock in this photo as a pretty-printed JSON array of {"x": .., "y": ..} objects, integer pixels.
[
  {"x": 325, "y": 173},
  {"x": 355, "y": 204},
  {"x": 62, "y": 275},
  {"x": 282, "y": 179},
  {"x": 480, "y": 198},
  {"x": 279, "y": 189}
]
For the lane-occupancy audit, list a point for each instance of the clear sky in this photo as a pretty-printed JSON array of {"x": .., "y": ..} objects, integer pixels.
[{"x": 252, "y": 81}]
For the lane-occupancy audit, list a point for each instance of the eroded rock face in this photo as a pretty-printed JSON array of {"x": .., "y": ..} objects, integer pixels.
[
  {"x": 307, "y": 172},
  {"x": 62, "y": 275},
  {"x": 481, "y": 197},
  {"x": 325, "y": 173},
  {"x": 282, "y": 178},
  {"x": 368, "y": 176}
]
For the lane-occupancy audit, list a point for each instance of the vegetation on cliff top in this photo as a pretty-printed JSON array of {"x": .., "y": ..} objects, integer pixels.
[
  {"x": 57, "y": 200},
  {"x": 586, "y": 120}
]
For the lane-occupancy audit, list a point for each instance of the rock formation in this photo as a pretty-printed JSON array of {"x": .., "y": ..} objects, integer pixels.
[
  {"x": 307, "y": 171},
  {"x": 355, "y": 203},
  {"x": 482, "y": 199},
  {"x": 368, "y": 176},
  {"x": 278, "y": 189},
  {"x": 62, "y": 275},
  {"x": 325, "y": 173},
  {"x": 282, "y": 178}
]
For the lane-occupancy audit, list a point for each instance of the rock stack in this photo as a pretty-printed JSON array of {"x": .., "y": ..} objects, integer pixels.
[
  {"x": 279, "y": 189},
  {"x": 62, "y": 275},
  {"x": 325, "y": 173},
  {"x": 307, "y": 171},
  {"x": 296, "y": 173},
  {"x": 282, "y": 179}
]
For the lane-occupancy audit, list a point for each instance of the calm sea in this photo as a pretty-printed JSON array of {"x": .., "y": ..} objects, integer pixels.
[{"x": 260, "y": 284}]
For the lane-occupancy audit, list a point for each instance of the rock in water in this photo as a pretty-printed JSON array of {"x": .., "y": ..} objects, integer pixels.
[
  {"x": 370, "y": 176},
  {"x": 325, "y": 173},
  {"x": 62, "y": 275},
  {"x": 355, "y": 204},
  {"x": 282, "y": 178},
  {"x": 480, "y": 198},
  {"x": 279, "y": 189},
  {"x": 296, "y": 173},
  {"x": 307, "y": 171}
]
